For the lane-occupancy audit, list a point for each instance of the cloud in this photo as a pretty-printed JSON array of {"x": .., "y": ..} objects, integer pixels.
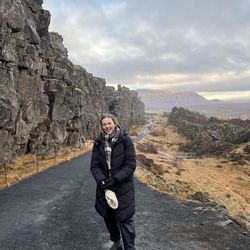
[
  {"x": 227, "y": 95},
  {"x": 192, "y": 45}
]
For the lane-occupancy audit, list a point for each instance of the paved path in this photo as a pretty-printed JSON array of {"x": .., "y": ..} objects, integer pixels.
[{"x": 55, "y": 210}]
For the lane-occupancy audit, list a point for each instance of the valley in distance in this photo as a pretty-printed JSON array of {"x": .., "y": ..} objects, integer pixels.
[{"x": 160, "y": 101}]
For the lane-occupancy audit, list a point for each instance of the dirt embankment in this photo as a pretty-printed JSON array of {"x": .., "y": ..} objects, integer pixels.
[
  {"x": 207, "y": 179},
  {"x": 27, "y": 165}
]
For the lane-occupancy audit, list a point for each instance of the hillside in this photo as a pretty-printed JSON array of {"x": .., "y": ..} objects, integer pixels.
[
  {"x": 222, "y": 179},
  {"x": 165, "y": 99}
]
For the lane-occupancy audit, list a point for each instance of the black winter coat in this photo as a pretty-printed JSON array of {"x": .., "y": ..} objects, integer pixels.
[{"x": 123, "y": 164}]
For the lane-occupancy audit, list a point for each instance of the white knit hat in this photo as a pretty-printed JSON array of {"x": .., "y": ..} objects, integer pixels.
[{"x": 111, "y": 199}]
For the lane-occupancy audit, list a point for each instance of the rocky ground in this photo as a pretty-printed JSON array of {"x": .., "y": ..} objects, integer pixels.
[{"x": 206, "y": 179}]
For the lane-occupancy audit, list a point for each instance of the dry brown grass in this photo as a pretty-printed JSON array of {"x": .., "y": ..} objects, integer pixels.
[
  {"x": 147, "y": 148},
  {"x": 27, "y": 165},
  {"x": 135, "y": 130},
  {"x": 225, "y": 182}
]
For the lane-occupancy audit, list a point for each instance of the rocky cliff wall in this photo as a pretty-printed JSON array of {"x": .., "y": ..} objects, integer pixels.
[
  {"x": 208, "y": 135},
  {"x": 47, "y": 102},
  {"x": 197, "y": 127}
]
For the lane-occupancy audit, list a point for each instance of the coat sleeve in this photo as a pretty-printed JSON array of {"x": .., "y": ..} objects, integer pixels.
[
  {"x": 95, "y": 166},
  {"x": 129, "y": 163}
]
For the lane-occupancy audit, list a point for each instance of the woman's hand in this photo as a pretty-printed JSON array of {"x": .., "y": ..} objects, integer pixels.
[{"x": 107, "y": 183}]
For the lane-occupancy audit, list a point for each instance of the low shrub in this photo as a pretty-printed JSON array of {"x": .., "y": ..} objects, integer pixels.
[{"x": 147, "y": 148}]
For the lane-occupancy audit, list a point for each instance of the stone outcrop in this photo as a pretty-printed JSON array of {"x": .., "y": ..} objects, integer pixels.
[
  {"x": 208, "y": 135},
  {"x": 47, "y": 102}
]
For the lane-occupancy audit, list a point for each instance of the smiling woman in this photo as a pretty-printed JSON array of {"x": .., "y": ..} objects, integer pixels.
[
  {"x": 113, "y": 163},
  {"x": 108, "y": 125}
]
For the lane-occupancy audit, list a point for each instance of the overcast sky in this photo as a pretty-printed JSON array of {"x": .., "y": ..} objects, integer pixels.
[{"x": 180, "y": 45}]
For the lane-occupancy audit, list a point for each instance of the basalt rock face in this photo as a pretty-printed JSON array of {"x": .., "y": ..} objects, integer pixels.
[
  {"x": 47, "y": 102},
  {"x": 209, "y": 135}
]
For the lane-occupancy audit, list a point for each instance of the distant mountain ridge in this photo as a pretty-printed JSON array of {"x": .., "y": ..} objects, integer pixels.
[{"x": 165, "y": 99}]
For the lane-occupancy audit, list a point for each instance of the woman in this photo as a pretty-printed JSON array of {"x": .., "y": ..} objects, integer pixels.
[{"x": 113, "y": 163}]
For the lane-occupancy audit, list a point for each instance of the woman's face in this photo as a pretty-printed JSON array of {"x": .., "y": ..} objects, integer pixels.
[{"x": 108, "y": 125}]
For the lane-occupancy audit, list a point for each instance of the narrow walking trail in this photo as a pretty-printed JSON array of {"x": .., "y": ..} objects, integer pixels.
[{"x": 55, "y": 210}]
